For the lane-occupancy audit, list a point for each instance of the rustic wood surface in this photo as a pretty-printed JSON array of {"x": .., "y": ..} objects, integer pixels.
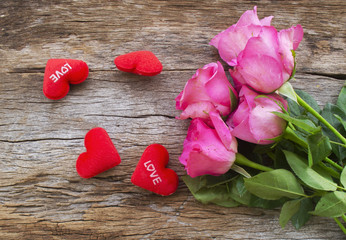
[{"x": 42, "y": 196}]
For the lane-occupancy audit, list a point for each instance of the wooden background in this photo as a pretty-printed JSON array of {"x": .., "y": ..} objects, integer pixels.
[{"x": 42, "y": 196}]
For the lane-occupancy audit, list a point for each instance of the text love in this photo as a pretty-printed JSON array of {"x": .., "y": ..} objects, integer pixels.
[
  {"x": 64, "y": 69},
  {"x": 151, "y": 168}
]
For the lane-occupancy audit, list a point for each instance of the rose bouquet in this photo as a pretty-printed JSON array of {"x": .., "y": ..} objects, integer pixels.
[{"x": 259, "y": 142}]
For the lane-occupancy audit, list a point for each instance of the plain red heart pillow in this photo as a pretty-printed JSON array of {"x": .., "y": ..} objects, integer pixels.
[
  {"x": 100, "y": 156},
  {"x": 139, "y": 62}
]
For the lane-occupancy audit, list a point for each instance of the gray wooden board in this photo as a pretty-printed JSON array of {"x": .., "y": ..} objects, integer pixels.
[{"x": 42, "y": 196}]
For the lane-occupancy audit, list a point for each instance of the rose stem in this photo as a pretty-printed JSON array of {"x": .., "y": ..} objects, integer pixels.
[
  {"x": 320, "y": 118},
  {"x": 242, "y": 160}
]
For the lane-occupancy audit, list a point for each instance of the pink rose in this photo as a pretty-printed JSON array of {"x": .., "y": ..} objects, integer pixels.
[
  {"x": 253, "y": 120},
  {"x": 232, "y": 41},
  {"x": 208, "y": 90},
  {"x": 261, "y": 57},
  {"x": 205, "y": 152},
  {"x": 267, "y": 61}
]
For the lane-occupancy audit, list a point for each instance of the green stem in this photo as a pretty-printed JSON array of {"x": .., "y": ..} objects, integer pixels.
[
  {"x": 337, "y": 143},
  {"x": 341, "y": 188},
  {"x": 242, "y": 160},
  {"x": 340, "y": 225},
  {"x": 334, "y": 164},
  {"x": 343, "y": 217},
  {"x": 320, "y": 118}
]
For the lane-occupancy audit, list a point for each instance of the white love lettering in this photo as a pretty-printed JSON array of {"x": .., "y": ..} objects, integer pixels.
[
  {"x": 157, "y": 180},
  {"x": 154, "y": 174},
  {"x": 57, "y": 73},
  {"x": 54, "y": 78},
  {"x": 64, "y": 69},
  {"x": 151, "y": 168}
]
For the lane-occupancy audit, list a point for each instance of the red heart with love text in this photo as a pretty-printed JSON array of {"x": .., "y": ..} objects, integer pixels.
[
  {"x": 151, "y": 172},
  {"x": 60, "y": 73},
  {"x": 100, "y": 156},
  {"x": 140, "y": 62}
]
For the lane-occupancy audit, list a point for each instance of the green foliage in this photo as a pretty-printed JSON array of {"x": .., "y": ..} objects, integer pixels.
[
  {"x": 240, "y": 194},
  {"x": 288, "y": 210},
  {"x": 331, "y": 205},
  {"x": 330, "y": 111},
  {"x": 302, "y": 215},
  {"x": 309, "y": 100},
  {"x": 343, "y": 178},
  {"x": 319, "y": 148},
  {"x": 309, "y": 177},
  {"x": 274, "y": 185},
  {"x": 304, "y": 124}
]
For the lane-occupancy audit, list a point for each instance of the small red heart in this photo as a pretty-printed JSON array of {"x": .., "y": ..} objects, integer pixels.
[
  {"x": 100, "y": 156},
  {"x": 151, "y": 172},
  {"x": 60, "y": 73},
  {"x": 140, "y": 62}
]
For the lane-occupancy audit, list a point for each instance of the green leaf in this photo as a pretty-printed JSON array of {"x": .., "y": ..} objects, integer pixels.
[
  {"x": 309, "y": 176},
  {"x": 274, "y": 185},
  {"x": 319, "y": 148},
  {"x": 331, "y": 205},
  {"x": 302, "y": 216},
  {"x": 323, "y": 172},
  {"x": 295, "y": 137},
  {"x": 240, "y": 194},
  {"x": 342, "y": 98},
  {"x": 343, "y": 177},
  {"x": 288, "y": 210},
  {"x": 297, "y": 111},
  {"x": 328, "y": 113},
  {"x": 294, "y": 109},
  {"x": 309, "y": 100},
  {"x": 287, "y": 90},
  {"x": 195, "y": 184},
  {"x": 218, "y": 195},
  {"x": 212, "y": 181},
  {"x": 234, "y": 100},
  {"x": 305, "y": 124}
]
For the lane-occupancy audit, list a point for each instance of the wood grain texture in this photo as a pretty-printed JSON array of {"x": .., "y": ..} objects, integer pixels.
[{"x": 42, "y": 196}]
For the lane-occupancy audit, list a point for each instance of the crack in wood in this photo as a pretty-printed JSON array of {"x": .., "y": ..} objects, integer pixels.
[
  {"x": 39, "y": 139},
  {"x": 330, "y": 75},
  {"x": 131, "y": 117}
]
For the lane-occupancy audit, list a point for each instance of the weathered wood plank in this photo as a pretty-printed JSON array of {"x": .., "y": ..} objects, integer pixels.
[
  {"x": 177, "y": 31},
  {"x": 42, "y": 196},
  {"x": 41, "y": 139}
]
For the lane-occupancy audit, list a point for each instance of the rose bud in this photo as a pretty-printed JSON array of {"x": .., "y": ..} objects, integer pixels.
[
  {"x": 253, "y": 120},
  {"x": 204, "y": 152},
  {"x": 261, "y": 57},
  {"x": 208, "y": 90}
]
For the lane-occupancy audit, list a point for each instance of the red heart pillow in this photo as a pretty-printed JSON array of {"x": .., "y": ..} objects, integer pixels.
[
  {"x": 60, "y": 73},
  {"x": 151, "y": 172},
  {"x": 100, "y": 156},
  {"x": 140, "y": 62}
]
